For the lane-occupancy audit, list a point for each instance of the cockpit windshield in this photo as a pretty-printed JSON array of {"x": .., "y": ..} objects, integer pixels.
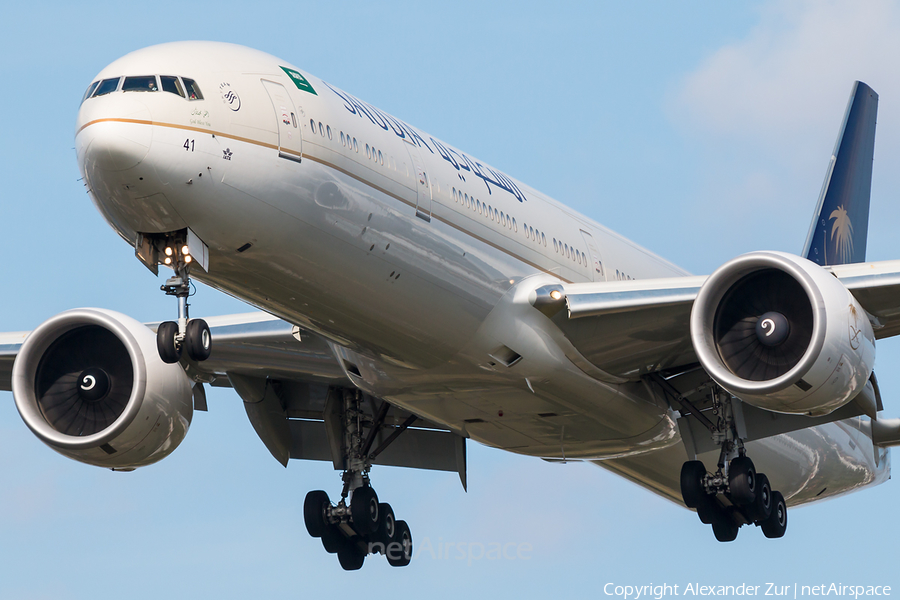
[
  {"x": 171, "y": 84},
  {"x": 107, "y": 86},
  {"x": 144, "y": 83},
  {"x": 90, "y": 90},
  {"x": 193, "y": 90},
  {"x": 180, "y": 86}
]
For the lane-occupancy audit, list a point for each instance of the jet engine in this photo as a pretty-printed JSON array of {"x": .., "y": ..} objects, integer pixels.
[
  {"x": 783, "y": 334},
  {"x": 91, "y": 385}
]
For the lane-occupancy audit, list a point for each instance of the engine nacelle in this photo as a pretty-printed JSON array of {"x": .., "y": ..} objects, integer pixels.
[
  {"x": 90, "y": 384},
  {"x": 783, "y": 334}
]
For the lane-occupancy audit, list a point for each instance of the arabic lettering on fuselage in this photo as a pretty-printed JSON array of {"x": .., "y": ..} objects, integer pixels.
[{"x": 459, "y": 160}]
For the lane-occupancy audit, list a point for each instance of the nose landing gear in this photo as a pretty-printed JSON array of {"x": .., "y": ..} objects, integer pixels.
[{"x": 173, "y": 338}]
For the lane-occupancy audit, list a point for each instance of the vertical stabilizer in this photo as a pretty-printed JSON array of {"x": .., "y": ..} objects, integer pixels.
[{"x": 840, "y": 224}]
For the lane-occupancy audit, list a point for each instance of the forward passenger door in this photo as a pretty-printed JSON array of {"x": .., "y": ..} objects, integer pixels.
[{"x": 289, "y": 142}]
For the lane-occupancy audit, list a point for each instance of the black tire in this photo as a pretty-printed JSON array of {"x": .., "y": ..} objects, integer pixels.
[
  {"x": 314, "y": 513},
  {"x": 351, "y": 556},
  {"x": 761, "y": 507},
  {"x": 364, "y": 510},
  {"x": 742, "y": 481},
  {"x": 725, "y": 529},
  {"x": 400, "y": 551},
  {"x": 198, "y": 340},
  {"x": 692, "y": 492},
  {"x": 776, "y": 524},
  {"x": 709, "y": 511},
  {"x": 165, "y": 342},
  {"x": 332, "y": 539},
  {"x": 387, "y": 525}
]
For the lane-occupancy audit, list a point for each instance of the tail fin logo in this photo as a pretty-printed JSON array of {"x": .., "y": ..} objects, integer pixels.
[{"x": 842, "y": 234}]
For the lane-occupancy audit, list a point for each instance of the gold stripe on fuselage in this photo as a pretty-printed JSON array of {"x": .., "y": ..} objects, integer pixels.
[{"x": 329, "y": 165}]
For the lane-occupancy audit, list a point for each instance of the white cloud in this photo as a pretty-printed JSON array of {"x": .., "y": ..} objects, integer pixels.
[
  {"x": 764, "y": 112},
  {"x": 783, "y": 80}
]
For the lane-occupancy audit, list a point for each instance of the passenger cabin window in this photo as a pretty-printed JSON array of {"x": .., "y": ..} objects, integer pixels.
[
  {"x": 171, "y": 84},
  {"x": 107, "y": 86},
  {"x": 144, "y": 83},
  {"x": 193, "y": 91}
]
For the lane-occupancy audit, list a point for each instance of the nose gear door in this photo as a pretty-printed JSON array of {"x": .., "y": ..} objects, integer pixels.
[{"x": 289, "y": 143}]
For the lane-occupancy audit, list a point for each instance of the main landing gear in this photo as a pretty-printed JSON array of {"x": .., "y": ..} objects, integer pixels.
[
  {"x": 365, "y": 525},
  {"x": 736, "y": 494},
  {"x": 173, "y": 338}
]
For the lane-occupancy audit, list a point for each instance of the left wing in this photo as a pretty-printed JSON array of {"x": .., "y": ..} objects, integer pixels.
[
  {"x": 248, "y": 344},
  {"x": 287, "y": 379}
]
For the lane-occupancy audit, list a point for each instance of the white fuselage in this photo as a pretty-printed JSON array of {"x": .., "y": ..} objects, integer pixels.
[{"x": 410, "y": 256}]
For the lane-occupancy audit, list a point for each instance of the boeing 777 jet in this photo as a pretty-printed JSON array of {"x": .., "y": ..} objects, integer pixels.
[{"x": 409, "y": 297}]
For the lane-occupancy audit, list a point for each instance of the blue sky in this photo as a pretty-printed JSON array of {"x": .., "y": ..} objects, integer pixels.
[{"x": 699, "y": 130}]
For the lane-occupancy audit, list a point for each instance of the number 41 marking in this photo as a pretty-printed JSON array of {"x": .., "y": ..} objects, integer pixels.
[{"x": 189, "y": 145}]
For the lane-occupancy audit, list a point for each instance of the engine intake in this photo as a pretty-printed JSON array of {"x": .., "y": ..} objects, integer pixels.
[
  {"x": 783, "y": 334},
  {"x": 90, "y": 384}
]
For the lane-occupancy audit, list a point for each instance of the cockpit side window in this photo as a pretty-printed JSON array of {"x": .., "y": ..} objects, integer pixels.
[
  {"x": 171, "y": 84},
  {"x": 143, "y": 83},
  {"x": 107, "y": 86},
  {"x": 193, "y": 91},
  {"x": 90, "y": 90}
]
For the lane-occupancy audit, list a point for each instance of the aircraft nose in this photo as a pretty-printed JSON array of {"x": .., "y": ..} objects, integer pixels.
[{"x": 117, "y": 141}]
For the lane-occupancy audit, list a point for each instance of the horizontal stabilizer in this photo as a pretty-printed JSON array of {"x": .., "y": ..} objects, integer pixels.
[{"x": 837, "y": 235}]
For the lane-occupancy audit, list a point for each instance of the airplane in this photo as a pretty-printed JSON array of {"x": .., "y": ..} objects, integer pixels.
[{"x": 411, "y": 297}]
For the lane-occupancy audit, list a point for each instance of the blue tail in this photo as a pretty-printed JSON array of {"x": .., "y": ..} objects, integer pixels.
[{"x": 838, "y": 232}]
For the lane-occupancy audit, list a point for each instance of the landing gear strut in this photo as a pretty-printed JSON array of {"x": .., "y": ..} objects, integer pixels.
[
  {"x": 736, "y": 494},
  {"x": 173, "y": 338},
  {"x": 364, "y": 525}
]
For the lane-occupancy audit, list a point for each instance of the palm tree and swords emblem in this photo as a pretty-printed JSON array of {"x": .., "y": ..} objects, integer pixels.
[{"x": 842, "y": 233}]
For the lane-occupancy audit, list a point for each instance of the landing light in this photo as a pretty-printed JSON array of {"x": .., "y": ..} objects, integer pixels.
[
  {"x": 188, "y": 258},
  {"x": 168, "y": 260},
  {"x": 185, "y": 250},
  {"x": 556, "y": 294},
  {"x": 168, "y": 251}
]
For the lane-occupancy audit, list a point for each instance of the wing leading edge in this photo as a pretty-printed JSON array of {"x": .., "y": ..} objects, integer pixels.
[
  {"x": 632, "y": 328},
  {"x": 286, "y": 377}
]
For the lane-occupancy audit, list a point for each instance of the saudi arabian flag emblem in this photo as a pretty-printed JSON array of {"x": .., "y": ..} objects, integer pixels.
[{"x": 299, "y": 80}]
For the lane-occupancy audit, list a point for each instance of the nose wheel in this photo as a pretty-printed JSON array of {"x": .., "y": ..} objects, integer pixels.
[
  {"x": 173, "y": 338},
  {"x": 196, "y": 341}
]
